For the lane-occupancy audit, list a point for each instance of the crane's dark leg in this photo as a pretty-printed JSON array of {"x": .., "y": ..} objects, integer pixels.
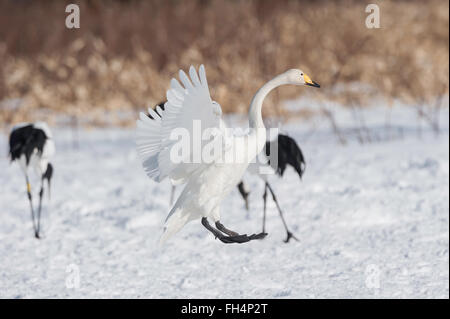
[
  {"x": 48, "y": 176},
  {"x": 243, "y": 193},
  {"x": 30, "y": 199},
  {"x": 232, "y": 238},
  {"x": 289, "y": 234},
  {"x": 265, "y": 206},
  {"x": 49, "y": 189},
  {"x": 41, "y": 193}
]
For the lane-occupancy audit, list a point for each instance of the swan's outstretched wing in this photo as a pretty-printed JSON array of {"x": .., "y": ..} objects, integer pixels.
[{"x": 189, "y": 111}]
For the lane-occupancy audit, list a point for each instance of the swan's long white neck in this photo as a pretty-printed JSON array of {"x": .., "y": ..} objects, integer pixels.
[{"x": 254, "y": 113}]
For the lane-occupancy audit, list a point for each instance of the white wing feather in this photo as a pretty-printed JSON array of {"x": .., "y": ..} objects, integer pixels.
[{"x": 185, "y": 105}]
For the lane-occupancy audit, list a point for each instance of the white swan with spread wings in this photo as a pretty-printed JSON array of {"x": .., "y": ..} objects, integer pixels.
[{"x": 209, "y": 179}]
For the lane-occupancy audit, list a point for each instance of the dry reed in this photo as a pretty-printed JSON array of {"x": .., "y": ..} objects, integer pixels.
[{"x": 124, "y": 54}]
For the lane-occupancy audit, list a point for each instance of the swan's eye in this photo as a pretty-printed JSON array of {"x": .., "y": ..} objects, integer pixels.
[{"x": 301, "y": 74}]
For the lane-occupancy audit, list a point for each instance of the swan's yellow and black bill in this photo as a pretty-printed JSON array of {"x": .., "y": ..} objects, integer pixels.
[{"x": 310, "y": 82}]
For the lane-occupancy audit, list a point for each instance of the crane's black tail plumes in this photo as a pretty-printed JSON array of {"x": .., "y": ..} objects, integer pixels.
[
  {"x": 24, "y": 141},
  {"x": 288, "y": 153}
]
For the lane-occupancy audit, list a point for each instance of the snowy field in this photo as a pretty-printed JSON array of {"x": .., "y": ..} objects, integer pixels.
[{"x": 372, "y": 219}]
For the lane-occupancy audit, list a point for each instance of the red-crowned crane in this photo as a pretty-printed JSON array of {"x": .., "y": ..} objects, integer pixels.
[{"x": 31, "y": 146}]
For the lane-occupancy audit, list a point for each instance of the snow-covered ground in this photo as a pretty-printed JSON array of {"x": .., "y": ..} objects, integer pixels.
[{"x": 372, "y": 219}]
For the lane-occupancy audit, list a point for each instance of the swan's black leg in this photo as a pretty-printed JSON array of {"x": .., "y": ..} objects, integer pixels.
[
  {"x": 214, "y": 231},
  {"x": 243, "y": 193},
  {"x": 230, "y": 239},
  {"x": 223, "y": 229},
  {"x": 30, "y": 199},
  {"x": 289, "y": 234}
]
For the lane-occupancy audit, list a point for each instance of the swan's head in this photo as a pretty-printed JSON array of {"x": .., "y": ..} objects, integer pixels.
[{"x": 298, "y": 77}]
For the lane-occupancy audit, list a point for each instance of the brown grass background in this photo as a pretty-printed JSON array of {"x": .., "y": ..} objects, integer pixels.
[{"x": 124, "y": 54}]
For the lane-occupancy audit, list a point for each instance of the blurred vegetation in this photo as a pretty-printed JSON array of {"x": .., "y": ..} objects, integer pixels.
[{"x": 124, "y": 54}]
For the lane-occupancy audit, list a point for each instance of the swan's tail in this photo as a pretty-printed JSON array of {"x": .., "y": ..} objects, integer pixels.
[{"x": 174, "y": 222}]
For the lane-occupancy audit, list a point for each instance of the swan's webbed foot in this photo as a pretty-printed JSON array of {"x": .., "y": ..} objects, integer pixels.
[
  {"x": 231, "y": 236},
  {"x": 240, "y": 239}
]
